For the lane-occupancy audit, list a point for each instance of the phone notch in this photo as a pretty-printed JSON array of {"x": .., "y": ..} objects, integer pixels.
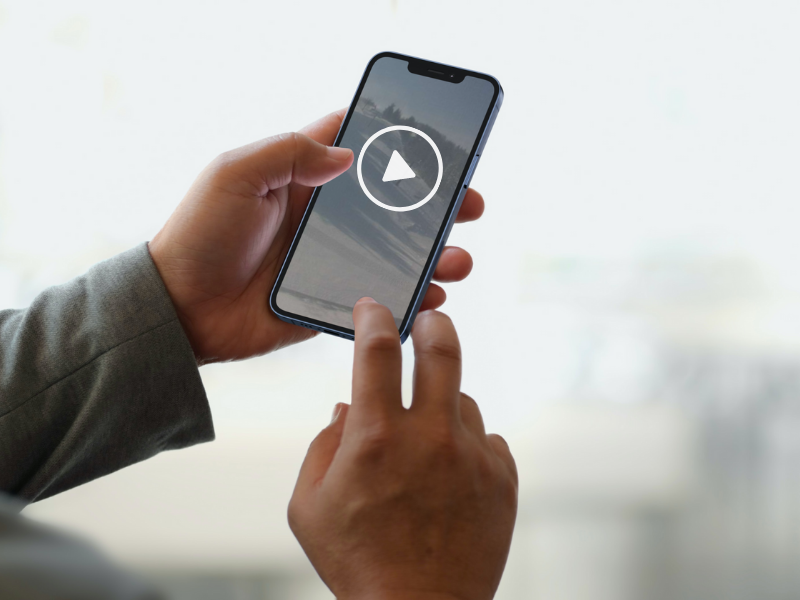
[{"x": 435, "y": 70}]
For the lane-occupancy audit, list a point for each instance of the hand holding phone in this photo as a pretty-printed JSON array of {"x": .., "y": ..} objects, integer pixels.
[
  {"x": 406, "y": 503},
  {"x": 220, "y": 252}
]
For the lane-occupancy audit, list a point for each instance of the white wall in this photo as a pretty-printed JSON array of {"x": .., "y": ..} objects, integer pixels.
[{"x": 642, "y": 190}]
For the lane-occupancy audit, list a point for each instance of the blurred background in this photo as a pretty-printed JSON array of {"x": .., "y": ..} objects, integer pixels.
[{"x": 632, "y": 324}]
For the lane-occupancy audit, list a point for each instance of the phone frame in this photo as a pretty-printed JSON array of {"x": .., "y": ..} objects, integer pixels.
[{"x": 423, "y": 68}]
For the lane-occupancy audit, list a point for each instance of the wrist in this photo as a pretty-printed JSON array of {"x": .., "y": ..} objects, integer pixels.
[{"x": 154, "y": 249}]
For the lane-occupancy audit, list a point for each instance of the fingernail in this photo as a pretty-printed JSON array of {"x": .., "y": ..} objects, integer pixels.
[
  {"x": 336, "y": 410},
  {"x": 337, "y": 153},
  {"x": 365, "y": 299}
]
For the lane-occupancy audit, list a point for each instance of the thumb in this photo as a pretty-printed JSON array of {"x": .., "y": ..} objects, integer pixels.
[
  {"x": 321, "y": 452},
  {"x": 277, "y": 161}
]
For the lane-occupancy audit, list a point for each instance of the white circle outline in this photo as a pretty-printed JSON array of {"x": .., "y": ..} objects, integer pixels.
[{"x": 424, "y": 136}]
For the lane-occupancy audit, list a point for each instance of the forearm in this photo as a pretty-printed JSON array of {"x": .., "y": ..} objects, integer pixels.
[{"x": 95, "y": 375}]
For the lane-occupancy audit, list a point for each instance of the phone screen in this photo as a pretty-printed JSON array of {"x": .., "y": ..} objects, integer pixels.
[{"x": 372, "y": 230}]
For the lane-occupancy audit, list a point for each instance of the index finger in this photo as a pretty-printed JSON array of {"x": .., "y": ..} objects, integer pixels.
[{"x": 377, "y": 363}]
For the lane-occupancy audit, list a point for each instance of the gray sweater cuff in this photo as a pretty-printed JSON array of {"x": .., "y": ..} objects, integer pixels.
[{"x": 95, "y": 375}]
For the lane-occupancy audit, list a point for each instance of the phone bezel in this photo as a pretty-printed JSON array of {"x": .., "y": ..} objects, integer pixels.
[{"x": 419, "y": 67}]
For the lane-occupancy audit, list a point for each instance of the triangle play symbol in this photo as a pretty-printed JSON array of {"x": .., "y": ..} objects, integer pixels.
[{"x": 397, "y": 169}]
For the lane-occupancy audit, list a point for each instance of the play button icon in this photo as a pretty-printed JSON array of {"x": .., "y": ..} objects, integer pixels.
[{"x": 397, "y": 169}]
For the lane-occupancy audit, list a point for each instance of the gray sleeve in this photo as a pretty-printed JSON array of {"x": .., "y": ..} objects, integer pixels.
[{"x": 95, "y": 375}]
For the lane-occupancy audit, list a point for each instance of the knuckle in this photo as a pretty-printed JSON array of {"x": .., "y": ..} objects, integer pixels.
[
  {"x": 441, "y": 349},
  {"x": 469, "y": 402},
  {"x": 495, "y": 476},
  {"x": 486, "y": 468},
  {"x": 444, "y": 446},
  {"x": 223, "y": 161},
  {"x": 499, "y": 441},
  {"x": 503, "y": 452},
  {"x": 381, "y": 342},
  {"x": 290, "y": 137},
  {"x": 432, "y": 316},
  {"x": 375, "y": 441},
  {"x": 291, "y": 140}
]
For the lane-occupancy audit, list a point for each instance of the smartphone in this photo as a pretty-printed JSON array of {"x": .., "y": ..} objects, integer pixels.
[{"x": 417, "y": 129}]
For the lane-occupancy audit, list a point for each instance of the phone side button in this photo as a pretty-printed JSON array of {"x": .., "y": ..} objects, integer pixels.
[{"x": 474, "y": 164}]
